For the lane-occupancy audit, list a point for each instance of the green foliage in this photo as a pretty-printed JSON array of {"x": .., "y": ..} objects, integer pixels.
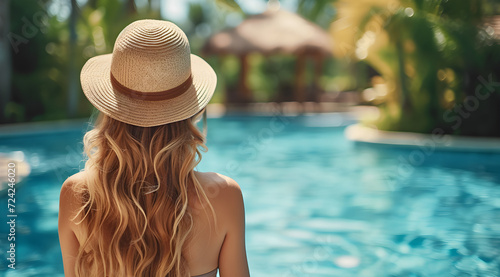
[
  {"x": 196, "y": 14},
  {"x": 35, "y": 91},
  {"x": 45, "y": 61},
  {"x": 231, "y": 5},
  {"x": 46, "y": 65},
  {"x": 322, "y": 12},
  {"x": 438, "y": 54},
  {"x": 272, "y": 77}
]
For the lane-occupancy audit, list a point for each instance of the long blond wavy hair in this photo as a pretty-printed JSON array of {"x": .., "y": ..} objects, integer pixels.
[{"x": 134, "y": 201}]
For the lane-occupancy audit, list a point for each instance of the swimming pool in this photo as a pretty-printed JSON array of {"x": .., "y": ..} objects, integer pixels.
[{"x": 317, "y": 204}]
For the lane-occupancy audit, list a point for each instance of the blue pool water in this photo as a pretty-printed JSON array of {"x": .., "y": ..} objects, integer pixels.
[{"x": 317, "y": 204}]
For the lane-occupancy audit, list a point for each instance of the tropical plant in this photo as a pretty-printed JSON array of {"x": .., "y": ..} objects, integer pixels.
[
  {"x": 433, "y": 56},
  {"x": 46, "y": 47}
]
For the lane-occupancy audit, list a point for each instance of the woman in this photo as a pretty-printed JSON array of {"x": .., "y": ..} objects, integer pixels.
[{"x": 139, "y": 208}]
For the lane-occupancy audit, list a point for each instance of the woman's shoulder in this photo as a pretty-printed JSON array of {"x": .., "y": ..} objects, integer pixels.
[
  {"x": 218, "y": 186},
  {"x": 214, "y": 179},
  {"x": 74, "y": 179},
  {"x": 69, "y": 200},
  {"x": 69, "y": 189},
  {"x": 72, "y": 192},
  {"x": 223, "y": 192}
]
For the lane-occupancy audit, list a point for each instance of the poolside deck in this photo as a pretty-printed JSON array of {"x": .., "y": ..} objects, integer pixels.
[{"x": 430, "y": 142}]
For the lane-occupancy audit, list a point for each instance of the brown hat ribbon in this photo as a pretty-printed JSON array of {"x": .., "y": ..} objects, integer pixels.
[{"x": 152, "y": 96}]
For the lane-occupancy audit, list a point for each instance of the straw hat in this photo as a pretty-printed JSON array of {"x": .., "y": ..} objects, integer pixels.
[{"x": 151, "y": 78}]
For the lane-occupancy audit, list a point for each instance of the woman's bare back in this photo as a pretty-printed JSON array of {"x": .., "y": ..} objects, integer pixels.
[{"x": 213, "y": 244}]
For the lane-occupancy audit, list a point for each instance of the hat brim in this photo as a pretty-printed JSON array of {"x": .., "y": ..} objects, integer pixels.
[{"x": 96, "y": 85}]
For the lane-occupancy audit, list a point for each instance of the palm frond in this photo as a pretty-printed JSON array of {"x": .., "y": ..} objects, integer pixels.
[{"x": 230, "y": 4}]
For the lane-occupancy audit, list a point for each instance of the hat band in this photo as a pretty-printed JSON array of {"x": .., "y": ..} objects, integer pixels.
[{"x": 152, "y": 96}]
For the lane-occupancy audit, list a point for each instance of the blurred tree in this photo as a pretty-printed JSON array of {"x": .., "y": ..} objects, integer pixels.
[
  {"x": 230, "y": 4},
  {"x": 72, "y": 70},
  {"x": 492, "y": 7},
  {"x": 131, "y": 9},
  {"x": 92, "y": 4},
  {"x": 196, "y": 14},
  {"x": 5, "y": 62},
  {"x": 432, "y": 55},
  {"x": 48, "y": 47},
  {"x": 35, "y": 91},
  {"x": 322, "y": 12}
]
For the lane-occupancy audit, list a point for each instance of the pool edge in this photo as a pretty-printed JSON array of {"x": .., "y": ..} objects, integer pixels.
[{"x": 362, "y": 134}]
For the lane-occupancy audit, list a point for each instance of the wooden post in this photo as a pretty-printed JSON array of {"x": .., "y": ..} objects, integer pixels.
[
  {"x": 299, "y": 87},
  {"x": 244, "y": 93},
  {"x": 318, "y": 71}
]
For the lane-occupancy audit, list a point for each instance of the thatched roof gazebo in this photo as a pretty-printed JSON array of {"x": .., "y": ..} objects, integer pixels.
[{"x": 273, "y": 32}]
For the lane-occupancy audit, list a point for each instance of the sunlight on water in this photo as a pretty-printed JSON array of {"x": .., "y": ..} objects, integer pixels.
[{"x": 317, "y": 205}]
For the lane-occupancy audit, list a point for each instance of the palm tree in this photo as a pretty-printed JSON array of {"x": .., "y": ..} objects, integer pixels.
[{"x": 431, "y": 54}]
